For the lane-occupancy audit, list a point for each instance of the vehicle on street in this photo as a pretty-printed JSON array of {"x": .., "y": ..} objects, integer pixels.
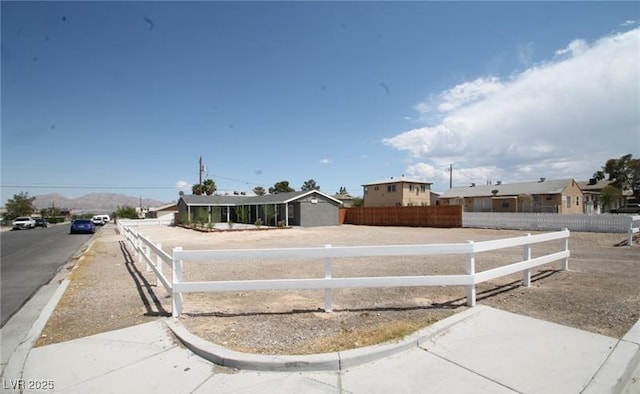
[
  {"x": 82, "y": 226},
  {"x": 97, "y": 220},
  {"x": 23, "y": 222},
  {"x": 42, "y": 222},
  {"x": 629, "y": 208},
  {"x": 105, "y": 219}
]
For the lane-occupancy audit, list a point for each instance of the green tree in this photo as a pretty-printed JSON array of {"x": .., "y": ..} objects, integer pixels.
[
  {"x": 608, "y": 195},
  {"x": 624, "y": 172},
  {"x": 259, "y": 191},
  {"x": 126, "y": 212},
  {"x": 20, "y": 205},
  {"x": 197, "y": 189},
  {"x": 209, "y": 187},
  {"x": 281, "y": 187},
  {"x": 310, "y": 185},
  {"x": 357, "y": 202}
]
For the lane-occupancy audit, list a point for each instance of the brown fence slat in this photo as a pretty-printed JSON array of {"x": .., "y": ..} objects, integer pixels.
[{"x": 446, "y": 216}]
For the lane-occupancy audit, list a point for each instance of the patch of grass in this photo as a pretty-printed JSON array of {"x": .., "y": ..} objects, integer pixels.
[{"x": 351, "y": 339}]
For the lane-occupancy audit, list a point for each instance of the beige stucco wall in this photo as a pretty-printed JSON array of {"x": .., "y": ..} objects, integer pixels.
[{"x": 405, "y": 194}]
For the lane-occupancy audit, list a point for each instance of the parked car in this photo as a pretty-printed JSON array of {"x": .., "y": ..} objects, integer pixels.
[
  {"x": 97, "y": 220},
  {"x": 629, "y": 208},
  {"x": 23, "y": 222},
  {"x": 105, "y": 219},
  {"x": 82, "y": 226},
  {"x": 42, "y": 222}
]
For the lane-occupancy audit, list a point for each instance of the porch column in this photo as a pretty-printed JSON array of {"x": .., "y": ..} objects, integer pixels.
[{"x": 286, "y": 214}]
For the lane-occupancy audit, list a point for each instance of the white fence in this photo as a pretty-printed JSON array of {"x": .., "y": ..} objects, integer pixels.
[
  {"x": 604, "y": 223},
  {"x": 146, "y": 251}
]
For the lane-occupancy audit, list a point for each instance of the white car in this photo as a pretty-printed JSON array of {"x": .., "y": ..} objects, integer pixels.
[
  {"x": 23, "y": 222},
  {"x": 97, "y": 220}
]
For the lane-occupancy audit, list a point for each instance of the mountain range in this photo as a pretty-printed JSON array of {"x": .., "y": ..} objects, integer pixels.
[{"x": 94, "y": 202}]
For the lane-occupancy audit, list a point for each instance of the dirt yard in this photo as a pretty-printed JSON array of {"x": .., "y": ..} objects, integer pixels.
[{"x": 110, "y": 289}]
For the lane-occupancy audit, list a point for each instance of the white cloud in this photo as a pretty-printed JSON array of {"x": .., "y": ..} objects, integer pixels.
[
  {"x": 182, "y": 185},
  {"x": 563, "y": 118},
  {"x": 325, "y": 161},
  {"x": 628, "y": 23},
  {"x": 575, "y": 48}
]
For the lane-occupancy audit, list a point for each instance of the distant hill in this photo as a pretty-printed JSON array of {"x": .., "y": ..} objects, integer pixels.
[{"x": 93, "y": 203}]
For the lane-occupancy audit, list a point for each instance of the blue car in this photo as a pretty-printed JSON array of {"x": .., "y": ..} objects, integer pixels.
[{"x": 85, "y": 226}]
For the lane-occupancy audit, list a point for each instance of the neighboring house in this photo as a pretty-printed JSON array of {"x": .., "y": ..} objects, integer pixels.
[
  {"x": 398, "y": 192},
  {"x": 303, "y": 208},
  {"x": 593, "y": 203},
  {"x": 558, "y": 196},
  {"x": 165, "y": 212},
  {"x": 345, "y": 199}
]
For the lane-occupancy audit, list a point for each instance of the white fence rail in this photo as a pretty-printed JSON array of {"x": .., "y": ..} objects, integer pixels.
[
  {"x": 145, "y": 250},
  {"x": 604, "y": 223}
]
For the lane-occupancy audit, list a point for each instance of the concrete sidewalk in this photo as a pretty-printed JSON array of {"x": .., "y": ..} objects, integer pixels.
[{"x": 478, "y": 350}]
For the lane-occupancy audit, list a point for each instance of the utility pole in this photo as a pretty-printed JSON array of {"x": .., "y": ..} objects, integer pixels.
[
  {"x": 450, "y": 176},
  {"x": 200, "y": 173}
]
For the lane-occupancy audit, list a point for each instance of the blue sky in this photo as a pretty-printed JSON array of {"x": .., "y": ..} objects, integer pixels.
[{"x": 125, "y": 97}]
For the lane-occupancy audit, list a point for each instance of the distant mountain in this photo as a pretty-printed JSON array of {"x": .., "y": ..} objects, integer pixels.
[{"x": 93, "y": 203}]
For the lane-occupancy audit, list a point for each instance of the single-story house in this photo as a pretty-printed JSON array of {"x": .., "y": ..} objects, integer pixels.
[
  {"x": 302, "y": 208},
  {"x": 557, "y": 196},
  {"x": 592, "y": 190},
  {"x": 165, "y": 212},
  {"x": 397, "y": 192}
]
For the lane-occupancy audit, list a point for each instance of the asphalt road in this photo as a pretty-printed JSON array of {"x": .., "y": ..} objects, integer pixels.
[{"x": 30, "y": 259}]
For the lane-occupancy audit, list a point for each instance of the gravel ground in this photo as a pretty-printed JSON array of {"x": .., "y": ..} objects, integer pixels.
[{"x": 110, "y": 289}]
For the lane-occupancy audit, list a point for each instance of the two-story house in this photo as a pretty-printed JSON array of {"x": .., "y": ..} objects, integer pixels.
[{"x": 397, "y": 192}]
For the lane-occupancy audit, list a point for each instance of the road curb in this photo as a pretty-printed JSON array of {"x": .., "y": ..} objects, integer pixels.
[
  {"x": 335, "y": 361},
  {"x": 15, "y": 363}
]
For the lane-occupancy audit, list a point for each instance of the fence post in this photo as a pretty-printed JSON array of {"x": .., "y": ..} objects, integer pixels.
[
  {"x": 147, "y": 253},
  {"x": 471, "y": 271},
  {"x": 565, "y": 262},
  {"x": 177, "y": 278},
  {"x": 630, "y": 238},
  {"x": 526, "y": 255},
  {"x": 327, "y": 275},
  {"x": 159, "y": 264}
]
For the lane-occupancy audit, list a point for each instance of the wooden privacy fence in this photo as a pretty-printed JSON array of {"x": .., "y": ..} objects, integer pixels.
[
  {"x": 446, "y": 216},
  {"x": 155, "y": 258}
]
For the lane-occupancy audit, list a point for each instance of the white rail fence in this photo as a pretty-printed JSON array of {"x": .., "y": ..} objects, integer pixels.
[
  {"x": 604, "y": 223},
  {"x": 155, "y": 258}
]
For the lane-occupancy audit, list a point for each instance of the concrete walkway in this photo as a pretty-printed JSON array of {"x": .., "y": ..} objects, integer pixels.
[{"x": 478, "y": 350}]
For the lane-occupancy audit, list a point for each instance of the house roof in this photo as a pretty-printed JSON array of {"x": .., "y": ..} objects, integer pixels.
[
  {"x": 168, "y": 207},
  {"x": 278, "y": 198},
  {"x": 594, "y": 186},
  {"x": 553, "y": 186},
  {"x": 396, "y": 180}
]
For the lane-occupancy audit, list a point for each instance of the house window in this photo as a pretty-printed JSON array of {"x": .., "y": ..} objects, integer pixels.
[
  {"x": 423, "y": 188},
  {"x": 391, "y": 188},
  {"x": 366, "y": 189},
  {"x": 410, "y": 187},
  {"x": 505, "y": 204},
  {"x": 577, "y": 200},
  {"x": 568, "y": 201}
]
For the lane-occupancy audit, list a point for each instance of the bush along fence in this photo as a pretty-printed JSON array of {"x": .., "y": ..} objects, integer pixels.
[{"x": 155, "y": 258}]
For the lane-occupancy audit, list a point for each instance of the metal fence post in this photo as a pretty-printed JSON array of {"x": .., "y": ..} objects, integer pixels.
[
  {"x": 565, "y": 262},
  {"x": 630, "y": 239},
  {"x": 327, "y": 275},
  {"x": 471, "y": 271},
  {"x": 526, "y": 255},
  {"x": 177, "y": 278}
]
